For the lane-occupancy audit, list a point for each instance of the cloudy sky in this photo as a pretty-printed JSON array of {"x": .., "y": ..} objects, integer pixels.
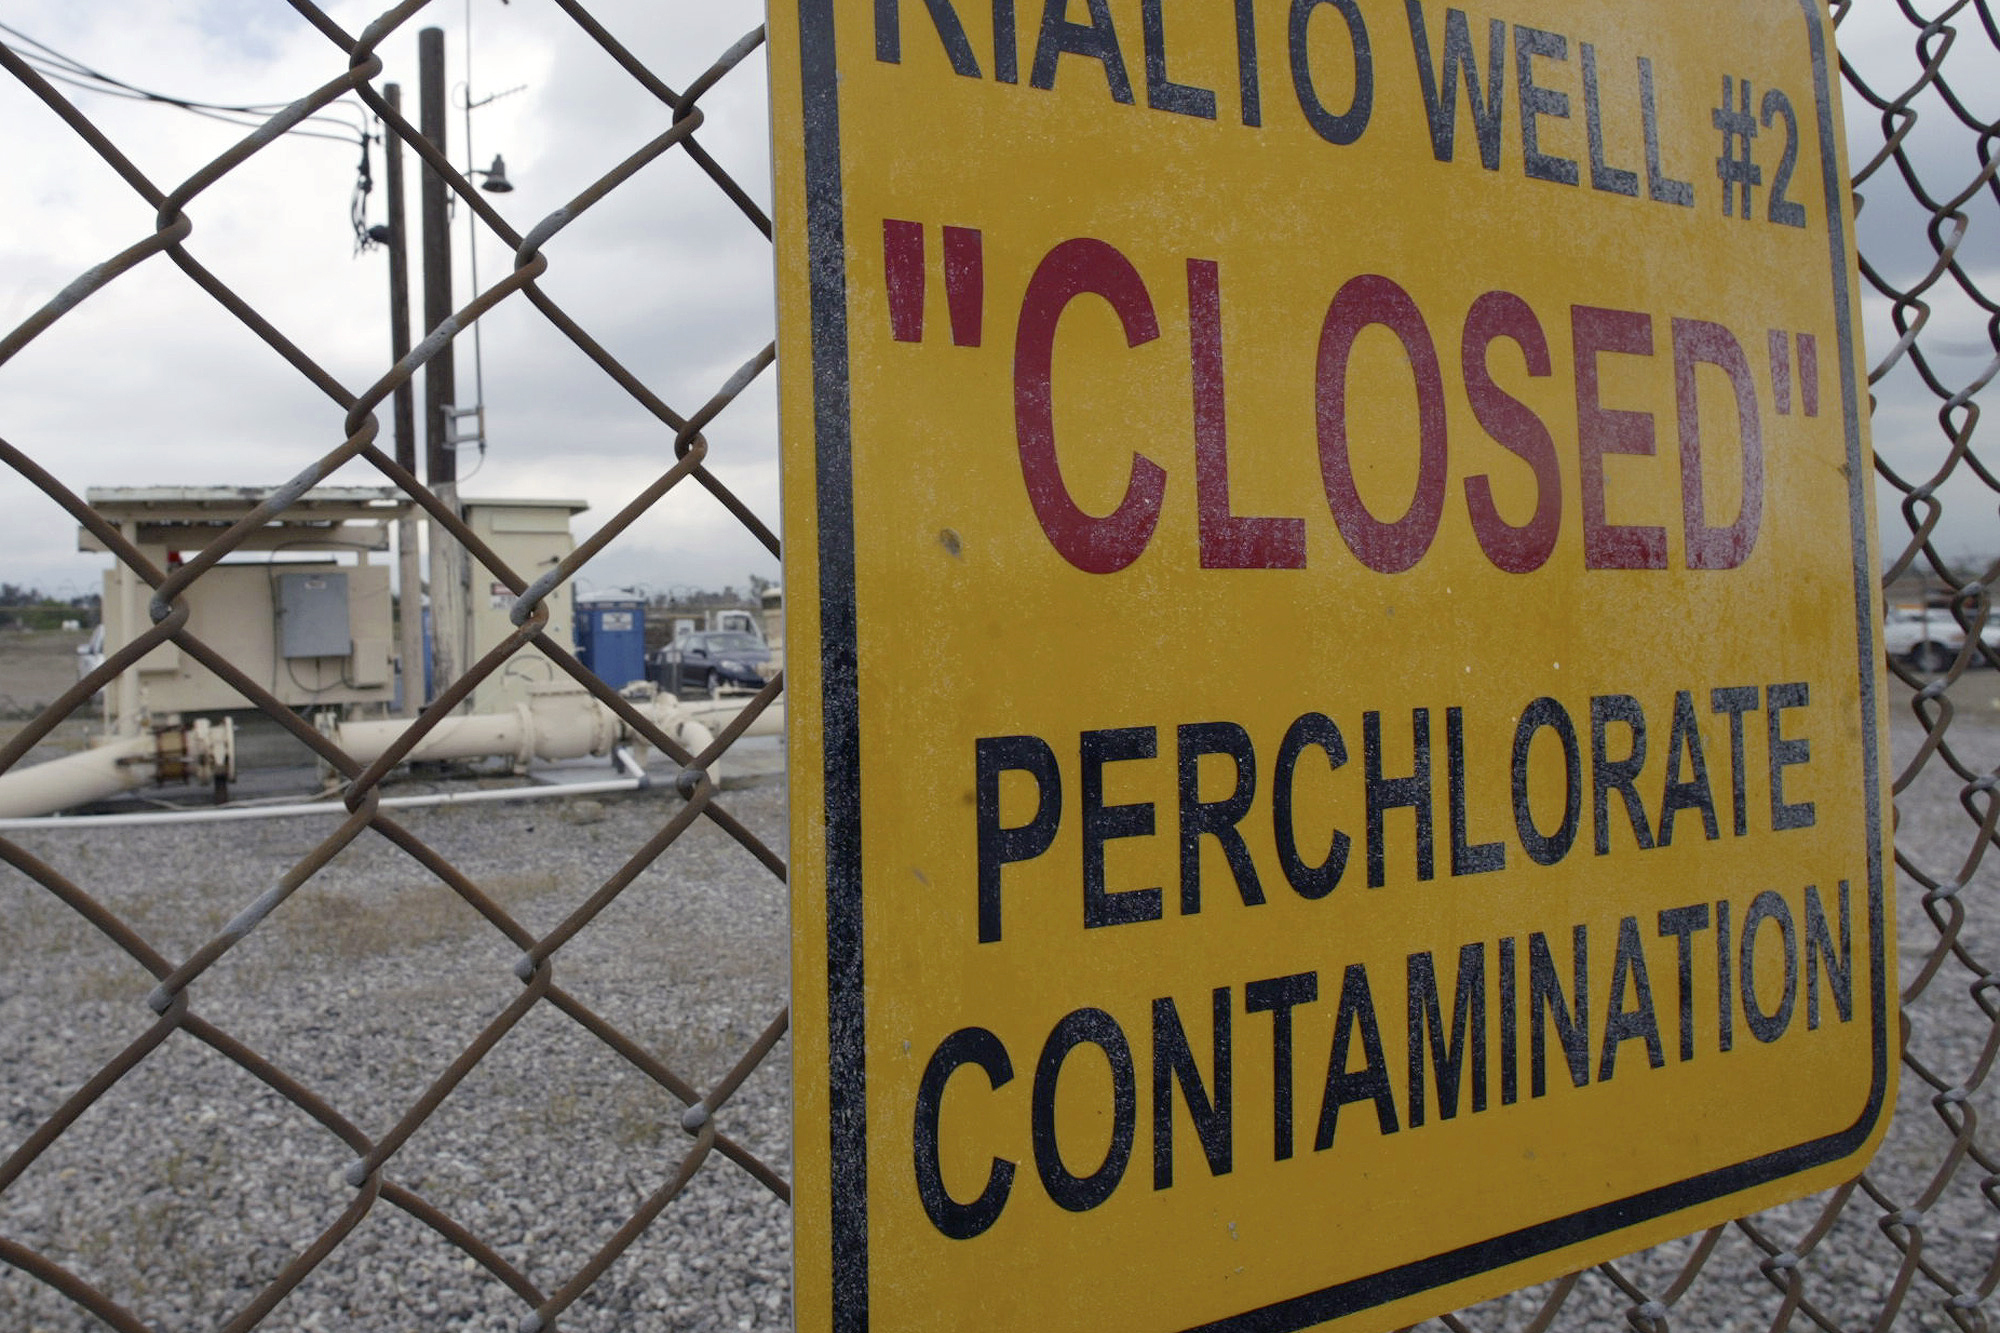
[
  {"x": 1959, "y": 339},
  {"x": 149, "y": 382}
]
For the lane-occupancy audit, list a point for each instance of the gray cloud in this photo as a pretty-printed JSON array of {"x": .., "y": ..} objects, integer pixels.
[{"x": 149, "y": 381}]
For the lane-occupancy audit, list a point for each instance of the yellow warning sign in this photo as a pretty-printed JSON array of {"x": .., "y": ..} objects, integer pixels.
[{"x": 1336, "y": 751}]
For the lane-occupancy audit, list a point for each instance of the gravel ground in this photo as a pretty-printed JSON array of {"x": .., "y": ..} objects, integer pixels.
[
  {"x": 193, "y": 1183},
  {"x": 1852, "y": 1273}
]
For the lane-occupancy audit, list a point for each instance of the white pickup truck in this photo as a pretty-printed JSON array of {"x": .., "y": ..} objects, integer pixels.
[{"x": 1929, "y": 639}]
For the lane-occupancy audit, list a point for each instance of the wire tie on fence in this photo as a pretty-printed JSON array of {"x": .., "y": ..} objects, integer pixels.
[
  {"x": 1984, "y": 782},
  {"x": 1944, "y": 892},
  {"x": 1783, "y": 1261},
  {"x": 524, "y": 605},
  {"x": 695, "y": 1117},
  {"x": 1954, "y": 1096},
  {"x": 434, "y": 341},
  {"x": 1908, "y": 1217},
  {"x": 376, "y": 32},
  {"x": 239, "y": 926},
  {"x": 539, "y": 233},
  {"x": 1965, "y": 1300},
  {"x": 688, "y": 781},
  {"x": 70, "y": 297},
  {"x": 740, "y": 381},
  {"x": 525, "y": 965},
  {"x": 1653, "y": 1312}
]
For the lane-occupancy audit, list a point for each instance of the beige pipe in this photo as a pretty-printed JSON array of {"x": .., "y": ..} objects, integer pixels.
[
  {"x": 473, "y": 736},
  {"x": 78, "y": 779},
  {"x": 715, "y": 714},
  {"x": 195, "y": 753},
  {"x": 558, "y": 722}
]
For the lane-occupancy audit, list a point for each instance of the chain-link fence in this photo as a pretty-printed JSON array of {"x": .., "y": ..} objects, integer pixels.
[{"x": 439, "y": 1068}]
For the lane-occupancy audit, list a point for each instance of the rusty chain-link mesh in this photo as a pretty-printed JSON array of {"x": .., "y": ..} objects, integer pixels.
[
  {"x": 373, "y": 1175},
  {"x": 1912, "y": 1244}
]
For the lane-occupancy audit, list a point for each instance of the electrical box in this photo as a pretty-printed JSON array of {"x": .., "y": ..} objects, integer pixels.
[
  {"x": 532, "y": 536},
  {"x": 313, "y": 632},
  {"x": 312, "y": 614},
  {"x": 240, "y": 610}
]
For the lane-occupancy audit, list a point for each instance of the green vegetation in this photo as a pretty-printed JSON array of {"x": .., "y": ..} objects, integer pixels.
[{"x": 31, "y": 609}]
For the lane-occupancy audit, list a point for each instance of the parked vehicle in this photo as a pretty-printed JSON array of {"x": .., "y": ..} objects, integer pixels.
[
  {"x": 713, "y": 662},
  {"x": 90, "y": 653},
  {"x": 1929, "y": 639}
]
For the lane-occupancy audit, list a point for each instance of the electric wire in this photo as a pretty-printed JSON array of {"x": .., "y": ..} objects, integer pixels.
[{"x": 60, "y": 67}]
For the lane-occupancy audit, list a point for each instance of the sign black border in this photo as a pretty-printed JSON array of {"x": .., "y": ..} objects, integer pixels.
[{"x": 846, "y": 995}]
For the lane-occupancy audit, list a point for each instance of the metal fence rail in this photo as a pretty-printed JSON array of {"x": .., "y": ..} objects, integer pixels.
[{"x": 1911, "y": 1244}]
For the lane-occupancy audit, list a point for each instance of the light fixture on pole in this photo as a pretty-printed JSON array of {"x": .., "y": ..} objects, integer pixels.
[{"x": 496, "y": 181}]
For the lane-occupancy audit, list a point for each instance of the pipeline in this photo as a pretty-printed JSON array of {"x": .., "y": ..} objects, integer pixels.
[
  {"x": 559, "y": 721},
  {"x": 201, "y": 752},
  {"x": 230, "y": 814}
]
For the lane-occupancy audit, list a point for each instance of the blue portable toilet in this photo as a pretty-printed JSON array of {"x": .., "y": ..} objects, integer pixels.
[{"x": 611, "y": 635}]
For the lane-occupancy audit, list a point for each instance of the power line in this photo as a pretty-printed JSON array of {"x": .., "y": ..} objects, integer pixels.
[
  {"x": 59, "y": 67},
  {"x": 62, "y": 68}
]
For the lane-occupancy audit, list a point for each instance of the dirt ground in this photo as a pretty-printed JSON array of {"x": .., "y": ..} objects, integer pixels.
[{"x": 35, "y": 668}]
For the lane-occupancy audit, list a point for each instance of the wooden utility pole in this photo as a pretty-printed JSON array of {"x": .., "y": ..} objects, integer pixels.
[
  {"x": 448, "y": 559},
  {"x": 410, "y": 618}
]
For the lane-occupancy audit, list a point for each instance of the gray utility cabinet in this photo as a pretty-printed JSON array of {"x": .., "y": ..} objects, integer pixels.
[{"x": 312, "y": 614}]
